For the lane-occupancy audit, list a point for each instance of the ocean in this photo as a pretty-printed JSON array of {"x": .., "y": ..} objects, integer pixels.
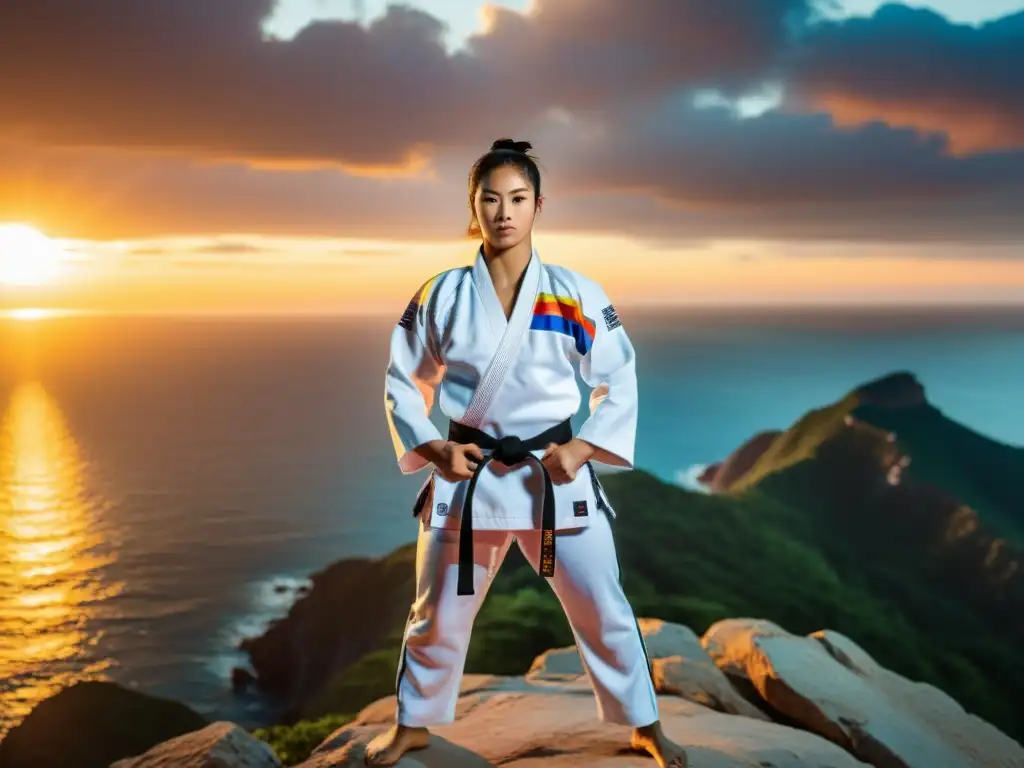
[{"x": 166, "y": 484}]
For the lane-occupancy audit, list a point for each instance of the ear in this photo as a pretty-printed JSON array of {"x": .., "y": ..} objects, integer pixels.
[{"x": 540, "y": 203}]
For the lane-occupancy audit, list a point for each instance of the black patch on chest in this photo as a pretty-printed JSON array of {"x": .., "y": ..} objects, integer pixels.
[
  {"x": 579, "y": 508},
  {"x": 611, "y": 318}
]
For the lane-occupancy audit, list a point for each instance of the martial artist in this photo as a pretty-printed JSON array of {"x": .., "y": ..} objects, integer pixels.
[{"x": 495, "y": 341}]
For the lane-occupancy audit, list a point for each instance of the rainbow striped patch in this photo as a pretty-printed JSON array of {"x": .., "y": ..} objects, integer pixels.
[{"x": 563, "y": 315}]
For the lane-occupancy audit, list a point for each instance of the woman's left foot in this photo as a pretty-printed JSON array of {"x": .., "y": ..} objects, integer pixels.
[{"x": 652, "y": 739}]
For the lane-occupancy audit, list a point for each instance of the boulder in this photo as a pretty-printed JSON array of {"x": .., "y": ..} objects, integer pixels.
[
  {"x": 832, "y": 687},
  {"x": 93, "y": 723},
  {"x": 541, "y": 726},
  {"x": 679, "y": 666},
  {"x": 218, "y": 745}
]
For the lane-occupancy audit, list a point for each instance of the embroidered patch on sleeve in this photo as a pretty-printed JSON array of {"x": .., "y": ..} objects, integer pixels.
[
  {"x": 611, "y": 318},
  {"x": 409, "y": 315}
]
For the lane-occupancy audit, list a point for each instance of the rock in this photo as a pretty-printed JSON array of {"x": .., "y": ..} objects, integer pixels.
[
  {"x": 348, "y": 748},
  {"x": 97, "y": 722},
  {"x": 727, "y": 642},
  {"x": 707, "y": 477},
  {"x": 835, "y": 689},
  {"x": 298, "y": 656},
  {"x": 703, "y": 683},
  {"x": 218, "y": 745},
  {"x": 556, "y": 666},
  {"x": 967, "y": 734},
  {"x": 896, "y": 390},
  {"x": 741, "y": 461},
  {"x": 679, "y": 665},
  {"x": 542, "y": 726},
  {"x": 241, "y": 678}
]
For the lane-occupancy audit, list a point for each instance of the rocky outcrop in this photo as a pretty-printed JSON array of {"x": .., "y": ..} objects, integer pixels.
[
  {"x": 316, "y": 642},
  {"x": 720, "y": 477},
  {"x": 832, "y": 687},
  {"x": 554, "y": 728},
  {"x": 679, "y": 665},
  {"x": 216, "y": 746},
  {"x": 842, "y": 709},
  {"x": 92, "y": 724},
  {"x": 900, "y": 389}
]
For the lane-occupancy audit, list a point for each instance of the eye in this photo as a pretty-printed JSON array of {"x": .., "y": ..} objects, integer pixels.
[{"x": 518, "y": 198}]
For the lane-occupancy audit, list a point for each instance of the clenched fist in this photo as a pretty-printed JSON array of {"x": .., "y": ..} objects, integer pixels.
[{"x": 564, "y": 461}]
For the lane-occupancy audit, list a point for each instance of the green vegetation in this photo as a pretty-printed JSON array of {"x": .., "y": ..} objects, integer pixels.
[{"x": 294, "y": 743}]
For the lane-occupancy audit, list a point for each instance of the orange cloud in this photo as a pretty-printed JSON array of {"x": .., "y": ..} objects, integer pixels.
[{"x": 970, "y": 128}]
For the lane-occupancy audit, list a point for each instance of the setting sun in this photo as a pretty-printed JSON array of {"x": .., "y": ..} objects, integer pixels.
[{"x": 27, "y": 256}]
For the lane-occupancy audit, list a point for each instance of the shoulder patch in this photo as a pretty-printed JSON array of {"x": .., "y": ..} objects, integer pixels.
[
  {"x": 408, "y": 318},
  {"x": 409, "y": 315},
  {"x": 611, "y": 318}
]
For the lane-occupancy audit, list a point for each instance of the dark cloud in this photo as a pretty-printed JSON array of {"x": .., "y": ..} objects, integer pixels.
[
  {"x": 131, "y": 119},
  {"x": 196, "y": 76},
  {"x": 913, "y": 67},
  {"x": 708, "y": 157}
]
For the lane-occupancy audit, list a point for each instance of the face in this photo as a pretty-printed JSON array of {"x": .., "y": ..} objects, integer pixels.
[{"x": 505, "y": 206}]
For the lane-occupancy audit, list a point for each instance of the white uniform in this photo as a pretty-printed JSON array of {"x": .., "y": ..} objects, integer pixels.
[{"x": 515, "y": 377}]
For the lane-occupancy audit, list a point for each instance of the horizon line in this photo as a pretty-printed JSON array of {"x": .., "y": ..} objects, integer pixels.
[{"x": 38, "y": 313}]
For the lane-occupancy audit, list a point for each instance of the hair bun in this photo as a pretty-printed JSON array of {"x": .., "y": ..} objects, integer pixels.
[{"x": 515, "y": 146}]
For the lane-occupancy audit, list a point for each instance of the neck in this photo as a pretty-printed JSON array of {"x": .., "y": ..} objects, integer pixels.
[{"x": 507, "y": 265}]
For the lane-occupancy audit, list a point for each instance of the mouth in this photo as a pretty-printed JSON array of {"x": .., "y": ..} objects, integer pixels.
[{"x": 504, "y": 229}]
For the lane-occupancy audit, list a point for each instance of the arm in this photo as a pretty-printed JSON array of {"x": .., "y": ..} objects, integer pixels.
[
  {"x": 413, "y": 374},
  {"x": 609, "y": 368}
]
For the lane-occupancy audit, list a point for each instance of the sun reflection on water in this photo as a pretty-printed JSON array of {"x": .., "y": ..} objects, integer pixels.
[{"x": 51, "y": 558}]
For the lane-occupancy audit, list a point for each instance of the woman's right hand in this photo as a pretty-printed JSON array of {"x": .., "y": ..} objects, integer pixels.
[{"x": 455, "y": 461}]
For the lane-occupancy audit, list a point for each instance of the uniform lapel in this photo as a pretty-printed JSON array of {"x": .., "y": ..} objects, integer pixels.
[
  {"x": 508, "y": 332},
  {"x": 525, "y": 301}
]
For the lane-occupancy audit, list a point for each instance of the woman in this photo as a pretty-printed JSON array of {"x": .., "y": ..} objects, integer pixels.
[{"x": 497, "y": 341}]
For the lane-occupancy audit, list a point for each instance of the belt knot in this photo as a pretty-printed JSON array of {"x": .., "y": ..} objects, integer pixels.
[{"x": 509, "y": 450}]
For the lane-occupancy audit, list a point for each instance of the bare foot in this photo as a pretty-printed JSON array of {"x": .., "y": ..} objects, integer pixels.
[
  {"x": 664, "y": 750},
  {"x": 387, "y": 748}
]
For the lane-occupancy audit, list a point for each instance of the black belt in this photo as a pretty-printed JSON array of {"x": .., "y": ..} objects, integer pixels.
[{"x": 508, "y": 450}]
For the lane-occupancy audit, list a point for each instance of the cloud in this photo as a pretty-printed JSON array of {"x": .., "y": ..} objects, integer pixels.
[
  {"x": 704, "y": 158},
  {"x": 178, "y": 117},
  {"x": 913, "y": 67},
  {"x": 195, "y": 77}
]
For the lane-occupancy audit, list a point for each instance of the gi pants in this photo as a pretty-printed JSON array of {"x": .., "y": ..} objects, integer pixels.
[{"x": 586, "y": 582}]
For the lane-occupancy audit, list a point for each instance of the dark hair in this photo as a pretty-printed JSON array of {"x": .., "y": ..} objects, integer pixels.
[{"x": 502, "y": 152}]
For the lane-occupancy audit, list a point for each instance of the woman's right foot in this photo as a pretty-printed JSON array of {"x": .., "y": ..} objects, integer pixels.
[{"x": 387, "y": 748}]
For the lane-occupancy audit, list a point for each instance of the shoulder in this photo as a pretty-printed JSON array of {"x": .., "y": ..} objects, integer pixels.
[
  {"x": 431, "y": 303},
  {"x": 588, "y": 292},
  {"x": 437, "y": 291}
]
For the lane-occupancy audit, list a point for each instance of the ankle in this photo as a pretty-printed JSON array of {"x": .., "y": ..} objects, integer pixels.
[
  {"x": 651, "y": 729},
  {"x": 410, "y": 728}
]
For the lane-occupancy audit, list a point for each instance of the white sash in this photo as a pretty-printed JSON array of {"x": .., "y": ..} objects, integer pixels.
[{"x": 508, "y": 347}]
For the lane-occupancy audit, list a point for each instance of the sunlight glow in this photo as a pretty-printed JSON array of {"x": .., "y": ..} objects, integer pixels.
[
  {"x": 52, "y": 555},
  {"x": 31, "y": 313},
  {"x": 27, "y": 256}
]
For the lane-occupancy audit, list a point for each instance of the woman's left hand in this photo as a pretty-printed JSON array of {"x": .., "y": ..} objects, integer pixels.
[{"x": 564, "y": 461}]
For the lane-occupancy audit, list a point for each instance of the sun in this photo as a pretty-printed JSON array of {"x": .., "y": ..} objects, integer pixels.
[{"x": 27, "y": 256}]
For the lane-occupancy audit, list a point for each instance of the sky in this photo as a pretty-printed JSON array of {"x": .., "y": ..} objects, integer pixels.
[{"x": 311, "y": 155}]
